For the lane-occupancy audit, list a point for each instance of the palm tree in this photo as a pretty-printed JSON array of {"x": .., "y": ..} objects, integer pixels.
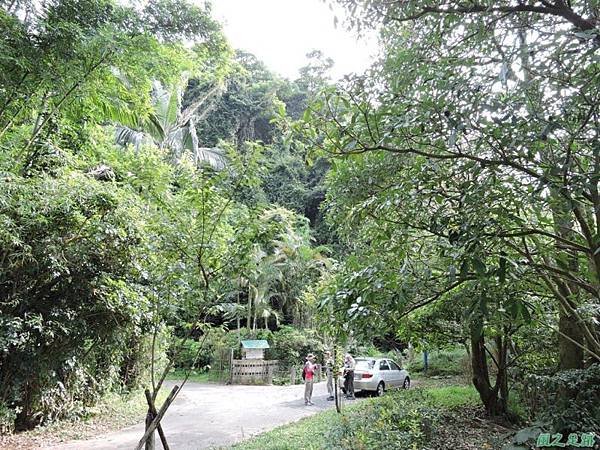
[
  {"x": 265, "y": 272},
  {"x": 302, "y": 263},
  {"x": 266, "y": 312},
  {"x": 170, "y": 127},
  {"x": 231, "y": 311}
]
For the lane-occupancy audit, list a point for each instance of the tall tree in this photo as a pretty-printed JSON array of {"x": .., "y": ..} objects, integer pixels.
[{"x": 478, "y": 132}]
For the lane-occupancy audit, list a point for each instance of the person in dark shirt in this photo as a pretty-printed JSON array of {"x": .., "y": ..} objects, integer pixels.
[{"x": 349, "y": 365}]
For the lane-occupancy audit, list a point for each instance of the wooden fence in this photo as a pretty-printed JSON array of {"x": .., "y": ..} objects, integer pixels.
[{"x": 253, "y": 371}]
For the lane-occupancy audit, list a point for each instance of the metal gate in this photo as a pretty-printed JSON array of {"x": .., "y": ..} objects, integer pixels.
[{"x": 220, "y": 369}]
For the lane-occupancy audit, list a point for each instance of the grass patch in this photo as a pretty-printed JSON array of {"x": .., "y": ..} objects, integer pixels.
[
  {"x": 402, "y": 419},
  {"x": 449, "y": 397},
  {"x": 307, "y": 433},
  {"x": 200, "y": 376},
  {"x": 196, "y": 375}
]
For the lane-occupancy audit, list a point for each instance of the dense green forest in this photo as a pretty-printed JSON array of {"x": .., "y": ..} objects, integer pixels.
[
  {"x": 147, "y": 190},
  {"x": 161, "y": 190}
]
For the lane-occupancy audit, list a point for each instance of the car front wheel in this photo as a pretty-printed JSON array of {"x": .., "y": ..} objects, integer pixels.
[
  {"x": 380, "y": 389},
  {"x": 406, "y": 384}
]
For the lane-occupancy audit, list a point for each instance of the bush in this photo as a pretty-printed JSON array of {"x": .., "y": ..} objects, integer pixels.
[
  {"x": 569, "y": 400},
  {"x": 7, "y": 419},
  {"x": 291, "y": 345},
  {"x": 288, "y": 345},
  {"x": 136, "y": 366},
  {"x": 398, "y": 420},
  {"x": 374, "y": 352},
  {"x": 68, "y": 311},
  {"x": 184, "y": 357},
  {"x": 217, "y": 341}
]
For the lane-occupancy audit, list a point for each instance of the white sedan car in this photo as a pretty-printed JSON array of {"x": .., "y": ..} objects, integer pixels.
[{"x": 378, "y": 374}]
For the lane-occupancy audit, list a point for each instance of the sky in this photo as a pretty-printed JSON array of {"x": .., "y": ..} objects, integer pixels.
[{"x": 282, "y": 32}]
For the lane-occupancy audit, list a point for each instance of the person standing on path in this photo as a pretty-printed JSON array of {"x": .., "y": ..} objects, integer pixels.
[
  {"x": 309, "y": 372},
  {"x": 349, "y": 365},
  {"x": 329, "y": 374}
]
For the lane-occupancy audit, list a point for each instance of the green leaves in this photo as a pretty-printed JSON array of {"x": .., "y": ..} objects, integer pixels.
[{"x": 479, "y": 267}]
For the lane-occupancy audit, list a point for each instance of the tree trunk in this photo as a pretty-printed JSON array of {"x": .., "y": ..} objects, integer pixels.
[
  {"x": 502, "y": 376},
  {"x": 237, "y": 316},
  {"x": 249, "y": 315},
  {"x": 494, "y": 405},
  {"x": 150, "y": 440},
  {"x": 570, "y": 354}
]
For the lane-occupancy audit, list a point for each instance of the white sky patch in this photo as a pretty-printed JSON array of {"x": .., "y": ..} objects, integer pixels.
[{"x": 282, "y": 32}]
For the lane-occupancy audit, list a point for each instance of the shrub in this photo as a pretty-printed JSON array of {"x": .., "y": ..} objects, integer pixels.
[
  {"x": 291, "y": 345},
  {"x": 288, "y": 345},
  {"x": 568, "y": 400},
  {"x": 184, "y": 356},
  {"x": 398, "y": 420},
  {"x": 217, "y": 341},
  {"x": 68, "y": 310},
  {"x": 7, "y": 419},
  {"x": 136, "y": 365}
]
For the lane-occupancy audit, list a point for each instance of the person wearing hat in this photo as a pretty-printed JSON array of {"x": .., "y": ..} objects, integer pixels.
[{"x": 309, "y": 372}]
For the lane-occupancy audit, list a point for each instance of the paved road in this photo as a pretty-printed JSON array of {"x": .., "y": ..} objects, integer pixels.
[{"x": 210, "y": 415}]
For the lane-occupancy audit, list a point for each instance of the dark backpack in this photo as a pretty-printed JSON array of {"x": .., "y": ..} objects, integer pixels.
[{"x": 304, "y": 373}]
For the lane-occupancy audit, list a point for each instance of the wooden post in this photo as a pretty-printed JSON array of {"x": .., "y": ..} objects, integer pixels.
[
  {"x": 154, "y": 423},
  {"x": 152, "y": 409},
  {"x": 221, "y": 359},
  {"x": 150, "y": 440},
  {"x": 231, "y": 367}
]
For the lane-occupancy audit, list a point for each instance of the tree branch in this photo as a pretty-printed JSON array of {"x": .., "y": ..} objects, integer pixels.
[{"x": 560, "y": 10}]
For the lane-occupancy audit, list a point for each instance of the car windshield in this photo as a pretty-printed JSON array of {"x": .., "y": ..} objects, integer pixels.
[{"x": 364, "y": 364}]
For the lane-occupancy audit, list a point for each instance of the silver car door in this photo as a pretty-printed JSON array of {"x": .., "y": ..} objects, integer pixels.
[
  {"x": 384, "y": 371},
  {"x": 394, "y": 374}
]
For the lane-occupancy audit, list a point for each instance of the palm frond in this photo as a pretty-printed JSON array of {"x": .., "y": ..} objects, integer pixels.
[
  {"x": 127, "y": 136},
  {"x": 155, "y": 128},
  {"x": 166, "y": 104},
  {"x": 117, "y": 111},
  {"x": 213, "y": 156},
  {"x": 168, "y": 127}
]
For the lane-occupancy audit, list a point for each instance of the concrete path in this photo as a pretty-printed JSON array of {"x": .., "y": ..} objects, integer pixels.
[{"x": 210, "y": 415}]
